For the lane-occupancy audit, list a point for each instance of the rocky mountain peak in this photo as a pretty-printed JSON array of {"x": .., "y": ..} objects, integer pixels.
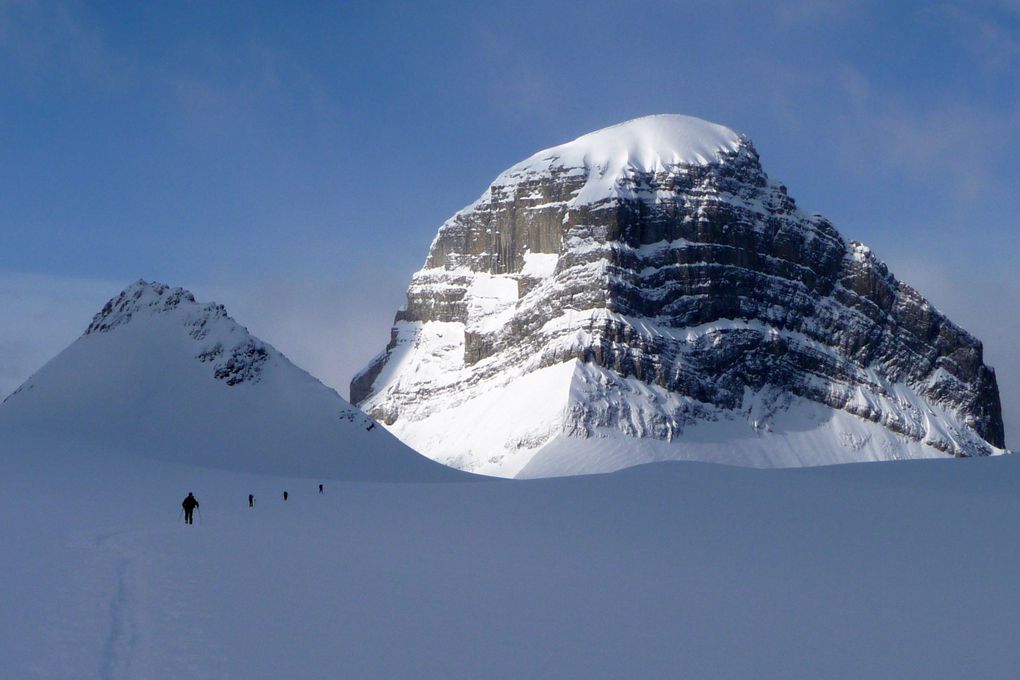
[
  {"x": 649, "y": 284},
  {"x": 234, "y": 354},
  {"x": 145, "y": 298}
]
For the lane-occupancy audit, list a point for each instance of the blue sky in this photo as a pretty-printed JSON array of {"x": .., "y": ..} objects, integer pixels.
[{"x": 294, "y": 160}]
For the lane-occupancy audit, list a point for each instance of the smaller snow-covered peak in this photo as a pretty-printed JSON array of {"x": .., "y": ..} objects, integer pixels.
[
  {"x": 236, "y": 356},
  {"x": 161, "y": 375}
]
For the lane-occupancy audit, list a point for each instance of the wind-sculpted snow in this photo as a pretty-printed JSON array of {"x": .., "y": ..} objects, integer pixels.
[
  {"x": 160, "y": 375},
  {"x": 660, "y": 253}
]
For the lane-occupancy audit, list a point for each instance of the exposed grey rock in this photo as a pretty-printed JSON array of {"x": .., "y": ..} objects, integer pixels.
[{"x": 241, "y": 362}]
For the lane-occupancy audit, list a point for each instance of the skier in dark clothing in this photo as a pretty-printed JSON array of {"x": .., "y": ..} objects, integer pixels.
[
  {"x": 320, "y": 488},
  {"x": 251, "y": 501},
  {"x": 189, "y": 504},
  {"x": 284, "y": 495}
]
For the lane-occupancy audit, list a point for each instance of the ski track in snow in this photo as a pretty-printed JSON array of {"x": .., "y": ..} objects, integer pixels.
[{"x": 120, "y": 647}]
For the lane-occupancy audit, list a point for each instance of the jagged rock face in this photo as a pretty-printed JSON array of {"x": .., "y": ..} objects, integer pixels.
[
  {"x": 236, "y": 357},
  {"x": 686, "y": 287}
]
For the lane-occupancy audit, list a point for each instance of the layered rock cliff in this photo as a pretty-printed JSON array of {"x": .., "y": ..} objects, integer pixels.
[{"x": 649, "y": 285}]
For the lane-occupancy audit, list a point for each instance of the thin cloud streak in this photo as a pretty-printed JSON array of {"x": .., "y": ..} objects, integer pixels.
[
  {"x": 330, "y": 327},
  {"x": 47, "y": 41},
  {"x": 956, "y": 141}
]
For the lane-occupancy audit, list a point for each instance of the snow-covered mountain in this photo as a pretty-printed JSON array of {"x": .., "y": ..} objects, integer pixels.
[
  {"x": 160, "y": 375},
  {"x": 646, "y": 292}
]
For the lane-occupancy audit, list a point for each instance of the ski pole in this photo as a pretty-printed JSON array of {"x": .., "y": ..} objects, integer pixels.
[{"x": 199, "y": 514}]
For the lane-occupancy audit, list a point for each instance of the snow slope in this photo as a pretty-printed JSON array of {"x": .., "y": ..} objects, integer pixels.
[
  {"x": 768, "y": 430},
  {"x": 163, "y": 376},
  {"x": 898, "y": 570}
]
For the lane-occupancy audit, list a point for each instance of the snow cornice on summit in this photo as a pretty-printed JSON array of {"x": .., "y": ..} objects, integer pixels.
[
  {"x": 646, "y": 144},
  {"x": 607, "y": 157}
]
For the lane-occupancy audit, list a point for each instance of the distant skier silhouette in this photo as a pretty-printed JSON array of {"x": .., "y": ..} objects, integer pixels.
[
  {"x": 251, "y": 501},
  {"x": 189, "y": 504},
  {"x": 320, "y": 488},
  {"x": 284, "y": 495}
]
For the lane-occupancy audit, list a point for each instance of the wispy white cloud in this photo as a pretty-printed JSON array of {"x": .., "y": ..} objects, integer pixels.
[
  {"x": 42, "y": 41},
  {"x": 955, "y": 140},
  {"x": 329, "y": 327},
  {"x": 797, "y": 13},
  {"x": 990, "y": 29},
  {"x": 519, "y": 86},
  {"x": 253, "y": 86}
]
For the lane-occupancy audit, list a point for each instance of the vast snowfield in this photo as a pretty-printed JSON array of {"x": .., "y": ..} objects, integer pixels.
[{"x": 897, "y": 569}]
